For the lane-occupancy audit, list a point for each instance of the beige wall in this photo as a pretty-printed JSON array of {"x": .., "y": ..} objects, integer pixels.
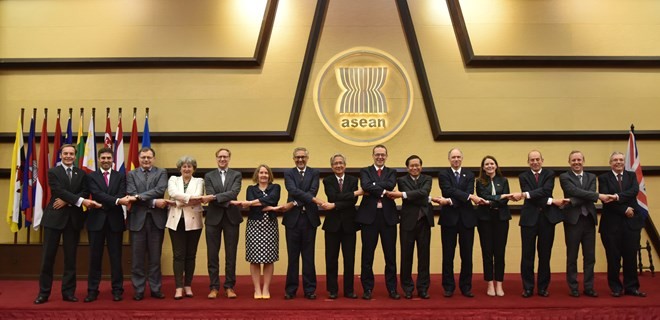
[{"x": 261, "y": 99}]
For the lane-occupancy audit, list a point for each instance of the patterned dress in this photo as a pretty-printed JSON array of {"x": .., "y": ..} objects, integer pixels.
[{"x": 262, "y": 232}]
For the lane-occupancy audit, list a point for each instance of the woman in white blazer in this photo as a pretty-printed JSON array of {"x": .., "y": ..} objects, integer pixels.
[{"x": 184, "y": 222}]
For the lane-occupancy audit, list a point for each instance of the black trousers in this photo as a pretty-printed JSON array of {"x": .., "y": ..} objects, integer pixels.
[
  {"x": 70, "y": 238},
  {"x": 369, "y": 237},
  {"x": 214, "y": 234},
  {"x": 621, "y": 244},
  {"x": 334, "y": 241},
  {"x": 537, "y": 238},
  {"x": 300, "y": 243},
  {"x": 582, "y": 233},
  {"x": 465, "y": 237},
  {"x": 97, "y": 240},
  {"x": 493, "y": 236},
  {"x": 420, "y": 235},
  {"x": 184, "y": 247}
]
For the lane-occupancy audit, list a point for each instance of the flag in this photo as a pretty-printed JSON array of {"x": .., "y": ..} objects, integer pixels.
[
  {"x": 42, "y": 191},
  {"x": 133, "y": 160},
  {"x": 27, "y": 203},
  {"x": 107, "y": 138},
  {"x": 119, "y": 149},
  {"x": 80, "y": 143},
  {"x": 57, "y": 144},
  {"x": 633, "y": 164},
  {"x": 68, "y": 139},
  {"x": 89, "y": 155},
  {"x": 146, "y": 138},
  {"x": 14, "y": 201}
]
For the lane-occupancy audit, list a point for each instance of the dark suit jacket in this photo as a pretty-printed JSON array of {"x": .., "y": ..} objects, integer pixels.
[
  {"x": 539, "y": 193},
  {"x": 458, "y": 193},
  {"x": 70, "y": 192},
  {"x": 580, "y": 194},
  {"x": 342, "y": 217},
  {"x": 374, "y": 185},
  {"x": 498, "y": 205},
  {"x": 107, "y": 196},
  {"x": 302, "y": 193},
  {"x": 223, "y": 194},
  {"x": 417, "y": 199},
  {"x": 268, "y": 197},
  {"x": 148, "y": 191},
  {"x": 614, "y": 213}
]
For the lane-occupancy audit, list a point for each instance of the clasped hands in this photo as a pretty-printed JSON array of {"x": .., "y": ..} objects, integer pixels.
[{"x": 59, "y": 204}]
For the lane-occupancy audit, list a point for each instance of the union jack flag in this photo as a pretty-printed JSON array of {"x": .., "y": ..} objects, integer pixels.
[{"x": 633, "y": 164}]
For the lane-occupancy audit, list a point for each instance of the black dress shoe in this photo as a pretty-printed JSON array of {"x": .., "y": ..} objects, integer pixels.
[
  {"x": 590, "y": 293},
  {"x": 366, "y": 295},
  {"x": 157, "y": 295},
  {"x": 289, "y": 296},
  {"x": 116, "y": 297},
  {"x": 636, "y": 293},
  {"x": 574, "y": 293},
  {"x": 423, "y": 295},
  {"x": 70, "y": 298},
  {"x": 350, "y": 295},
  {"x": 544, "y": 293},
  {"x": 527, "y": 293},
  {"x": 448, "y": 294},
  {"x": 468, "y": 294},
  {"x": 40, "y": 300},
  {"x": 395, "y": 295},
  {"x": 407, "y": 295},
  {"x": 310, "y": 296},
  {"x": 332, "y": 295},
  {"x": 138, "y": 296},
  {"x": 90, "y": 298},
  {"x": 615, "y": 294}
]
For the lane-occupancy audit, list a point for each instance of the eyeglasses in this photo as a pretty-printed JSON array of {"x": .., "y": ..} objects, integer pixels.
[{"x": 300, "y": 157}]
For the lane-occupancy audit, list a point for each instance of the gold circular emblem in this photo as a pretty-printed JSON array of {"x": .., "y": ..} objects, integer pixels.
[{"x": 363, "y": 96}]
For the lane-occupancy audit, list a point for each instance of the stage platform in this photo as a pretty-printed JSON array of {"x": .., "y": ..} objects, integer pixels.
[{"x": 17, "y": 297}]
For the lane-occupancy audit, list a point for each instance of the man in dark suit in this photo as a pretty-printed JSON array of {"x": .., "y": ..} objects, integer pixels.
[
  {"x": 538, "y": 217},
  {"x": 301, "y": 218},
  {"x": 457, "y": 220},
  {"x": 620, "y": 226},
  {"x": 580, "y": 222},
  {"x": 378, "y": 216},
  {"x": 63, "y": 218},
  {"x": 146, "y": 222},
  {"x": 223, "y": 185},
  {"x": 339, "y": 225},
  {"x": 416, "y": 223},
  {"x": 106, "y": 224}
]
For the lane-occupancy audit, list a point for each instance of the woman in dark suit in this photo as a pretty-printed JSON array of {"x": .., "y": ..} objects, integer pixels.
[
  {"x": 494, "y": 216},
  {"x": 262, "y": 231}
]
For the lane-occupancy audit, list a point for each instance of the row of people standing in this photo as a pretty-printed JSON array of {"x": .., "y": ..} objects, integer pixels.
[{"x": 376, "y": 217}]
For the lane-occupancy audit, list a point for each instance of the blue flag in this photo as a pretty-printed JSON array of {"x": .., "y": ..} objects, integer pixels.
[{"x": 146, "y": 139}]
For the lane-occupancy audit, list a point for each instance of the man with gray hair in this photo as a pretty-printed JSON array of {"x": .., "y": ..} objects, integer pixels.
[{"x": 301, "y": 218}]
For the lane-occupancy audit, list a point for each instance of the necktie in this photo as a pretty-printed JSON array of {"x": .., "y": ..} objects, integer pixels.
[
  {"x": 619, "y": 179},
  {"x": 458, "y": 176},
  {"x": 146, "y": 177},
  {"x": 105, "y": 177},
  {"x": 341, "y": 184},
  {"x": 536, "y": 176},
  {"x": 380, "y": 170},
  {"x": 222, "y": 176},
  {"x": 580, "y": 177},
  {"x": 415, "y": 181},
  {"x": 68, "y": 173},
  {"x": 302, "y": 175}
]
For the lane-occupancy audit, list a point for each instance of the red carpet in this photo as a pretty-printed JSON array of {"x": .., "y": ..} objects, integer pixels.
[{"x": 17, "y": 297}]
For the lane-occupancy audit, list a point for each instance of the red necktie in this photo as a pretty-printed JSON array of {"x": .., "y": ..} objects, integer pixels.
[
  {"x": 536, "y": 176},
  {"x": 105, "y": 177},
  {"x": 380, "y": 170},
  {"x": 341, "y": 184}
]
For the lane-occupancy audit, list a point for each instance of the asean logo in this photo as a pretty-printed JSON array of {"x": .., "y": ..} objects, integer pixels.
[{"x": 363, "y": 96}]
